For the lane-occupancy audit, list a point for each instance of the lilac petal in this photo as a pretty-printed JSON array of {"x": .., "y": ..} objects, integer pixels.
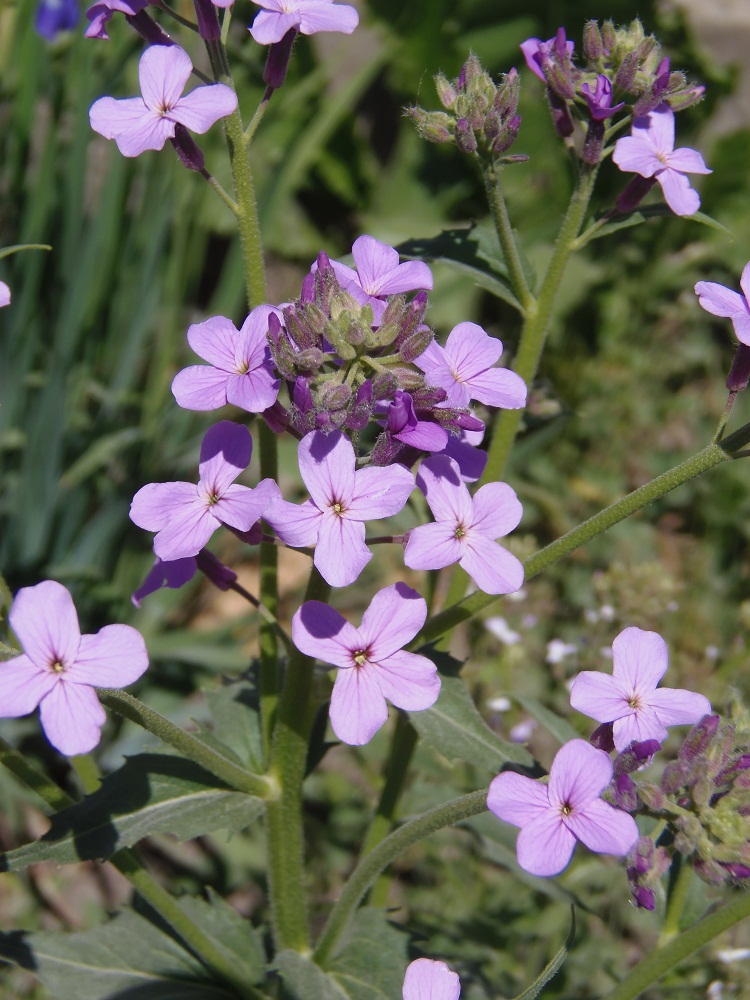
[
  {"x": 394, "y": 617},
  {"x": 225, "y": 453},
  {"x": 314, "y": 17},
  {"x": 174, "y": 575},
  {"x": 497, "y": 510},
  {"x": 719, "y": 300},
  {"x": 678, "y": 707},
  {"x": 516, "y": 799},
  {"x": 204, "y": 106},
  {"x": 448, "y": 498},
  {"x": 425, "y": 435},
  {"x": 186, "y": 533},
  {"x": 72, "y": 717},
  {"x": 45, "y": 620},
  {"x": 433, "y": 546},
  {"x": 660, "y": 126},
  {"x": 409, "y": 681},
  {"x": 745, "y": 285},
  {"x": 156, "y": 504},
  {"x": 22, "y": 686},
  {"x": 340, "y": 553},
  {"x": 637, "y": 727},
  {"x": 269, "y": 26},
  {"x": 326, "y": 463},
  {"x": 215, "y": 340},
  {"x": 688, "y": 161},
  {"x": 602, "y": 828},
  {"x": 114, "y": 657},
  {"x": 427, "y": 979},
  {"x": 255, "y": 391},
  {"x": 346, "y": 275},
  {"x": 636, "y": 155},
  {"x": 251, "y": 349},
  {"x": 640, "y": 659},
  {"x": 373, "y": 260},
  {"x": 412, "y": 275},
  {"x": 320, "y": 631},
  {"x": 545, "y": 846},
  {"x": 151, "y": 133},
  {"x": 579, "y": 774},
  {"x": 471, "y": 350},
  {"x": 379, "y": 492},
  {"x": 470, "y": 460},
  {"x": 240, "y": 507},
  {"x": 109, "y": 117},
  {"x": 741, "y": 324},
  {"x": 498, "y": 387},
  {"x": 678, "y": 193},
  {"x": 200, "y": 387},
  {"x": 358, "y": 708},
  {"x": 599, "y": 696},
  {"x": 163, "y": 72},
  {"x": 530, "y": 48},
  {"x": 4, "y": 294},
  {"x": 295, "y": 524},
  {"x": 492, "y": 568}
]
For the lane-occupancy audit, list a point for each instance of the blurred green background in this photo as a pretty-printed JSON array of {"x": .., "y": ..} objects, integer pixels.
[{"x": 632, "y": 382}]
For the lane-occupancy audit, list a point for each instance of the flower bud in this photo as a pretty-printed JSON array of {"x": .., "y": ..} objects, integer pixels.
[
  {"x": 609, "y": 37},
  {"x": 220, "y": 575},
  {"x": 433, "y": 126},
  {"x": 625, "y": 793},
  {"x": 626, "y": 73},
  {"x": 208, "y": 21},
  {"x": 644, "y": 897},
  {"x": 416, "y": 344},
  {"x": 465, "y": 138},
  {"x": 445, "y": 90},
  {"x": 698, "y": 739},
  {"x": 739, "y": 373},
  {"x": 593, "y": 47},
  {"x": 633, "y": 194},
  {"x": 602, "y": 738},
  {"x": 187, "y": 149},
  {"x": 334, "y": 396},
  {"x": 277, "y": 61}
]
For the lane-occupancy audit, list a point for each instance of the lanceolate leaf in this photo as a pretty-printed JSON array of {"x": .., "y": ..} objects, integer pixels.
[
  {"x": 150, "y": 793},
  {"x": 554, "y": 966},
  {"x": 454, "y": 727}
]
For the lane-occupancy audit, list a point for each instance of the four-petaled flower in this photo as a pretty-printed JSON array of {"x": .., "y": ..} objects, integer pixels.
[
  {"x": 240, "y": 369},
  {"x": 60, "y": 668},
  {"x": 722, "y": 301},
  {"x": 403, "y": 424},
  {"x": 554, "y": 816},
  {"x": 428, "y": 979},
  {"x": 538, "y": 53},
  {"x": 650, "y": 152},
  {"x": 372, "y": 664},
  {"x": 600, "y": 99},
  {"x": 379, "y": 274},
  {"x": 629, "y": 697},
  {"x": 185, "y": 515},
  {"x": 306, "y": 16},
  {"x": 465, "y": 529},
  {"x": 464, "y": 368},
  {"x": 341, "y": 500},
  {"x": 140, "y": 123}
]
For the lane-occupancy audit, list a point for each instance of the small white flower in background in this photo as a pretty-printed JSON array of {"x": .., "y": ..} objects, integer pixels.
[
  {"x": 523, "y": 731},
  {"x": 501, "y": 630},
  {"x": 499, "y": 704},
  {"x": 558, "y": 649}
]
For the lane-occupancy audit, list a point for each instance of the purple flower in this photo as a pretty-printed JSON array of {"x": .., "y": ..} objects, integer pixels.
[
  {"x": 100, "y": 13},
  {"x": 185, "y": 516},
  {"x": 537, "y": 53},
  {"x": 140, "y": 123},
  {"x": 600, "y": 100},
  {"x": 4, "y": 294},
  {"x": 629, "y": 697},
  {"x": 379, "y": 274},
  {"x": 427, "y": 979},
  {"x": 650, "y": 152},
  {"x": 341, "y": 500},
  {"x": 54, "y": 16},
  {"x": 60, "y": 668},
  {"x": 307, "y": 16},
  {"x": 402, "y": 424},
  {"x": 466, "y": 453},
  {"x": 722, "y": 301},
  {"x": 372, "y": 664},
  {"x": 554, "y": 816},
  {"x": 465, "y": 529},
  {"x": 178, "y": 572},
  {"x": 464, "y": 368},
  {"x": 240, "y": 369}
]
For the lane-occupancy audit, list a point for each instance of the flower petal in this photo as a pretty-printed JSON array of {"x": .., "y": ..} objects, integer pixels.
[
  {"x": 156, "y": 504},
  {"x": 471, "y": 350},
  {"x": 497, "y": 510},
  {"x": 599, "y": 696},
  {"x": 394, "y": 617},
  {"x": 187, "y": 532},
  {"x": 314, "y": 17},
  {"x": 440, "y": 480},
  {"x": 320, "y": 631},
  {"x": 637, "y": 727},
  {"x": 634, "y": 154},
  {"x": 110, "y": 117},
  {"x": 427, "y": 979},
  {"x": 678, "y": 707},
  {"x": 373, "y": 260},
  {"x": 269, "y": 26},
  {"x": 215, "y": 340},
  {"x": 22, "y": 686},
  {"x": 200, "y": 387},
  {"x": 492, "y": 568},
  {"x": 408, "y": 680},
  {"x": 225, "y": 453},
  {"x": 579, "y": 774},
  {"x": 688, "y": 161},
  {"x": 72, "y": 717},
  {"x": 115, "y": 657},
  {"x": 498, "y": 387},
  {"x": 204, "y": 106},
  {"x": 379, "y": 492},
  {"x": 358, "y": 708},
  {"x": 326, "y": 464},
  {"x": 719, "y": 300},
  {"x": 640, "y": 660},
  {"x": 545, "y": 846},
  {"x": 46, "y": 622},
  {"x": 678, "y": 193},
  {"x": 163, "y": 72},
  {"x": 659, "y": 124},
  {"x": 340, "y": 552},
  {"x": 295, "y": 524},
  {"x": 433, "y": 546},
  {"x": 150, "y": 133},
  {"x": 602, "y": 828},
  {"x": 516, "y": 799}
]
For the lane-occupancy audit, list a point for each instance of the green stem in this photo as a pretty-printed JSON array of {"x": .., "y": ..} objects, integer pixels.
[
  {"x": 384, "y": 854},
  {"x": 215, "y": 186},
  {"x": 504, "y": 230},
  {"x": 711, "y": 456},
  {"x": 679, "y": 890},
  {"x": 247, "y": 209},
  {"x": 193, "y": 748},
  {"x": 536, "y": 323},
  {"x": 34, "y": 779},
  {"x": 682, "y": 946},
  {"x": 284, "y": 830}
]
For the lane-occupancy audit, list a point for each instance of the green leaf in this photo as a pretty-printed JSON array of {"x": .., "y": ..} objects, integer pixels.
[
  {"x": 150, "y": 793},
  {"x": 475, "y": 252},
  {"x": 454, "y": 727},
  {"x": 126, "y": 958},
  {"x": 232, "y": 933},
  {"x": 304, "y": 980},
  {"x": 235, "y": 712},
  {"x": 634, "y": 219},
  {"x": 554, "y": 966},
  {"x": 554, "y": 724}
]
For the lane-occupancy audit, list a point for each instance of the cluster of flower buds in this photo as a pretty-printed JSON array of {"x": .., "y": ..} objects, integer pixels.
[
  {"x": 705, "y": 796},
  {"x": 646, "y": 864},
  {"x": 480, "y": 116}
]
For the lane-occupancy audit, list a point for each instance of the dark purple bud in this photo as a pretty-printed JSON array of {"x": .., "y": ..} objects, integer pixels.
[
  {"x": 416, "y": 344},
  {"x": 641, "y": 856},
  {"x": 208, "y": 21},
  {"x": 301, "y": 395},
  {"x": 736, "y": 870},
  {"x": 276, "y": 417},
  {"x": 591, "y": 151},
  {"x": 361, "y": 411},
  {"x": 560, "y": 115},
  {"x": 506, "y": 136},
  {"x": 384, "y": 385},
  {"x": 635, "y": 755},
  {"x": 506, "y": 98},
  {"x": 148, "y": 29},
  {"x": 593, "y": 47},
  {"x": 676, "y": 776},
  {"x": 710, "y": 871},
  {"x": 386, "y": 450},
  {"x": 739, "y": 373},
  {"x": 307, "y": 294},
  {"x": 253, "y": 535},
  {"x": 465, "y": 138},
  {"x": 602, "y": 738},
  {"x": 635, "y": 191},
  {"x": 698, "y": 739},
  {"x": 334, "y": 396},
  {"x": 173, "y": 574},
  {"x": 277, "y": 61},
  {"x": 644, "y": 897},
  {"x": 187, "y": 149},
  {"x": 625, "y": 793},
  {"x": 626, "y": 72},
  {"x": 467, "y": 422},
  {"x": 401, "y": 413},
  {"x": 219, "y": 574}
]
